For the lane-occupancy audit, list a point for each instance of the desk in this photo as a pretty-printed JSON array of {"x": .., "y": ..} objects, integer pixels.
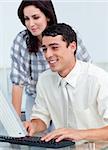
[{"x": 84, "y": 146}]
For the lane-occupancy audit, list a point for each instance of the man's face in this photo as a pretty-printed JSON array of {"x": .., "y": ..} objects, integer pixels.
[{"x": 60, "y": 57}]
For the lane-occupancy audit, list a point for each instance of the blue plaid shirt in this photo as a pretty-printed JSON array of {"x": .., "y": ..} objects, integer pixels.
[{"x": 23, "y": 62}]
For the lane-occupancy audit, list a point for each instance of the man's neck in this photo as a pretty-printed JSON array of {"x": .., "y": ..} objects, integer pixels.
[{"x": 67, "y": 70}]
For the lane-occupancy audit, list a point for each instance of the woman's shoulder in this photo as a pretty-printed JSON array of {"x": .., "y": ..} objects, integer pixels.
[
  {"x": 19, "y": 42},
  {"x": 20, "y": 38},
  {"x": 22, "y": 34}
]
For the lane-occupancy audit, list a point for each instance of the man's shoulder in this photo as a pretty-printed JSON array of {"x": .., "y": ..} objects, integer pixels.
[
  {"x": 47, "y": 77},
  {"x": 95, "y": 71},
  {"x": 47, "y": 80},
  {"x": 48, "y": 73},
  {"x": 92, "y": 69}
]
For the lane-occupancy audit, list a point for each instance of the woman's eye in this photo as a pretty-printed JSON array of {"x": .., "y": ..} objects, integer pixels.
[
  {"x": 36, "y": 17},
  {"x": 26, "y": 19}
]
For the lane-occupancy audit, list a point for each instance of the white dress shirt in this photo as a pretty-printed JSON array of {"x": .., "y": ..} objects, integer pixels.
[{"x": 87, "y": 102}]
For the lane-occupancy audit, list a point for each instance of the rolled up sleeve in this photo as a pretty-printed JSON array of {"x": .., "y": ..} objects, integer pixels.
[{"x": 40, "y": 109}]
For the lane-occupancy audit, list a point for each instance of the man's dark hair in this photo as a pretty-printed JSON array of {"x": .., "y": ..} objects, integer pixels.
[{"x": 62, "y": 29}]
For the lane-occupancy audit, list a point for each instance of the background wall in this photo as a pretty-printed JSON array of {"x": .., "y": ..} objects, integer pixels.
[
  {"x": 9, "y": 26},
  {"x": 88, "y": 18},
  {"x": 91, "y": 21}
]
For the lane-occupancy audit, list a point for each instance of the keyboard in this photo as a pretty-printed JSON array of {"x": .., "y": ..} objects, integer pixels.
[{"x": 36, "y": 141}]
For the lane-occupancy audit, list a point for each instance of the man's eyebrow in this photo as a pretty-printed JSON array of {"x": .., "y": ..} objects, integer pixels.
[{"x": 52, "y": 44}]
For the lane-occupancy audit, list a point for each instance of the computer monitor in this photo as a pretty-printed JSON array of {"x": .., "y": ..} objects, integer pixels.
[{"x": 10, "y": 119}]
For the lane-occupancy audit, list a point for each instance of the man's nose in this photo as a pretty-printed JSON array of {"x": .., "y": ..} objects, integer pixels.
[{"x": 48, "y": 53}]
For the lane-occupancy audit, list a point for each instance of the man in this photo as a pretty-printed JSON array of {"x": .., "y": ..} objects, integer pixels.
[{"x": 73, "y": 94}]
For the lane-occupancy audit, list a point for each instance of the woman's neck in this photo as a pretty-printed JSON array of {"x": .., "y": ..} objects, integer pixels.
[{"x": 40, "y": 38}]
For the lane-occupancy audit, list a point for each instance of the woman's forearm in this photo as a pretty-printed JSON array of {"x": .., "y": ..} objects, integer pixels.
[{"x": 17, "y": 92}]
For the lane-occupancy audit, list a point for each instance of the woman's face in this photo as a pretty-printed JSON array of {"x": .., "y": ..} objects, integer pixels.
[{"x": 35, "y": 20}]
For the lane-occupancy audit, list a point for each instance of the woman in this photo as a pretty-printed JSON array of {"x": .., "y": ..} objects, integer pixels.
[{"x": 26, "y": 53}]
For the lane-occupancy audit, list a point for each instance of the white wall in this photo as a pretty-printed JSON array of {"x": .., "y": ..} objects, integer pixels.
[
  {"x": 90, "y": 18},
  {"x": 9, "y": 27}
]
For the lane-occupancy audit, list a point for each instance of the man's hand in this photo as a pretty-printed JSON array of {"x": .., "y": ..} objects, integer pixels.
[
  {"x": 64, "y": 133},
  {"x": 30, "y": 127},
  {"x": 34, "y": 126},
  {"x": 76, "y": 135}
]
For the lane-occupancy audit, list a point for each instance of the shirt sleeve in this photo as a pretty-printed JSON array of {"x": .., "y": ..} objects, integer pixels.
[
  {"x": 103, "y": 98},
  {"x": 18, "y": 66},
  {"x": 40, "y": 109},
  {"x": 82, "y": 53}
]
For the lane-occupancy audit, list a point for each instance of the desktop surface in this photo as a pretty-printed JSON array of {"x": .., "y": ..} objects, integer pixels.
[
  {"x": 7, "y": 146},
  {"x": 84, "y": 146}
]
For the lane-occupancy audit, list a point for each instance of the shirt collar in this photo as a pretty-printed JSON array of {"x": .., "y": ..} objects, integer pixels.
[{"x": 71, "y": 78}]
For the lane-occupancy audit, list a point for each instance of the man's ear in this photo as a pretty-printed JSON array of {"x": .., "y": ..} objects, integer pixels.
[{"x": 73, "y": 46}]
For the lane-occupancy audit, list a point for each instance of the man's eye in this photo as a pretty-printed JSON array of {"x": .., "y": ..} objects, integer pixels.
[
  {"x": 54, "y": 48},
  {"x": 44, "y": 49}
]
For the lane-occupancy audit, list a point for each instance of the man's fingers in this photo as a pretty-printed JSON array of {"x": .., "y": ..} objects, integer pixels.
[
  {"x": 62, "y": 137},
  {"x": 26, "y": 124},
  {"x": 53, "y": 135}
]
